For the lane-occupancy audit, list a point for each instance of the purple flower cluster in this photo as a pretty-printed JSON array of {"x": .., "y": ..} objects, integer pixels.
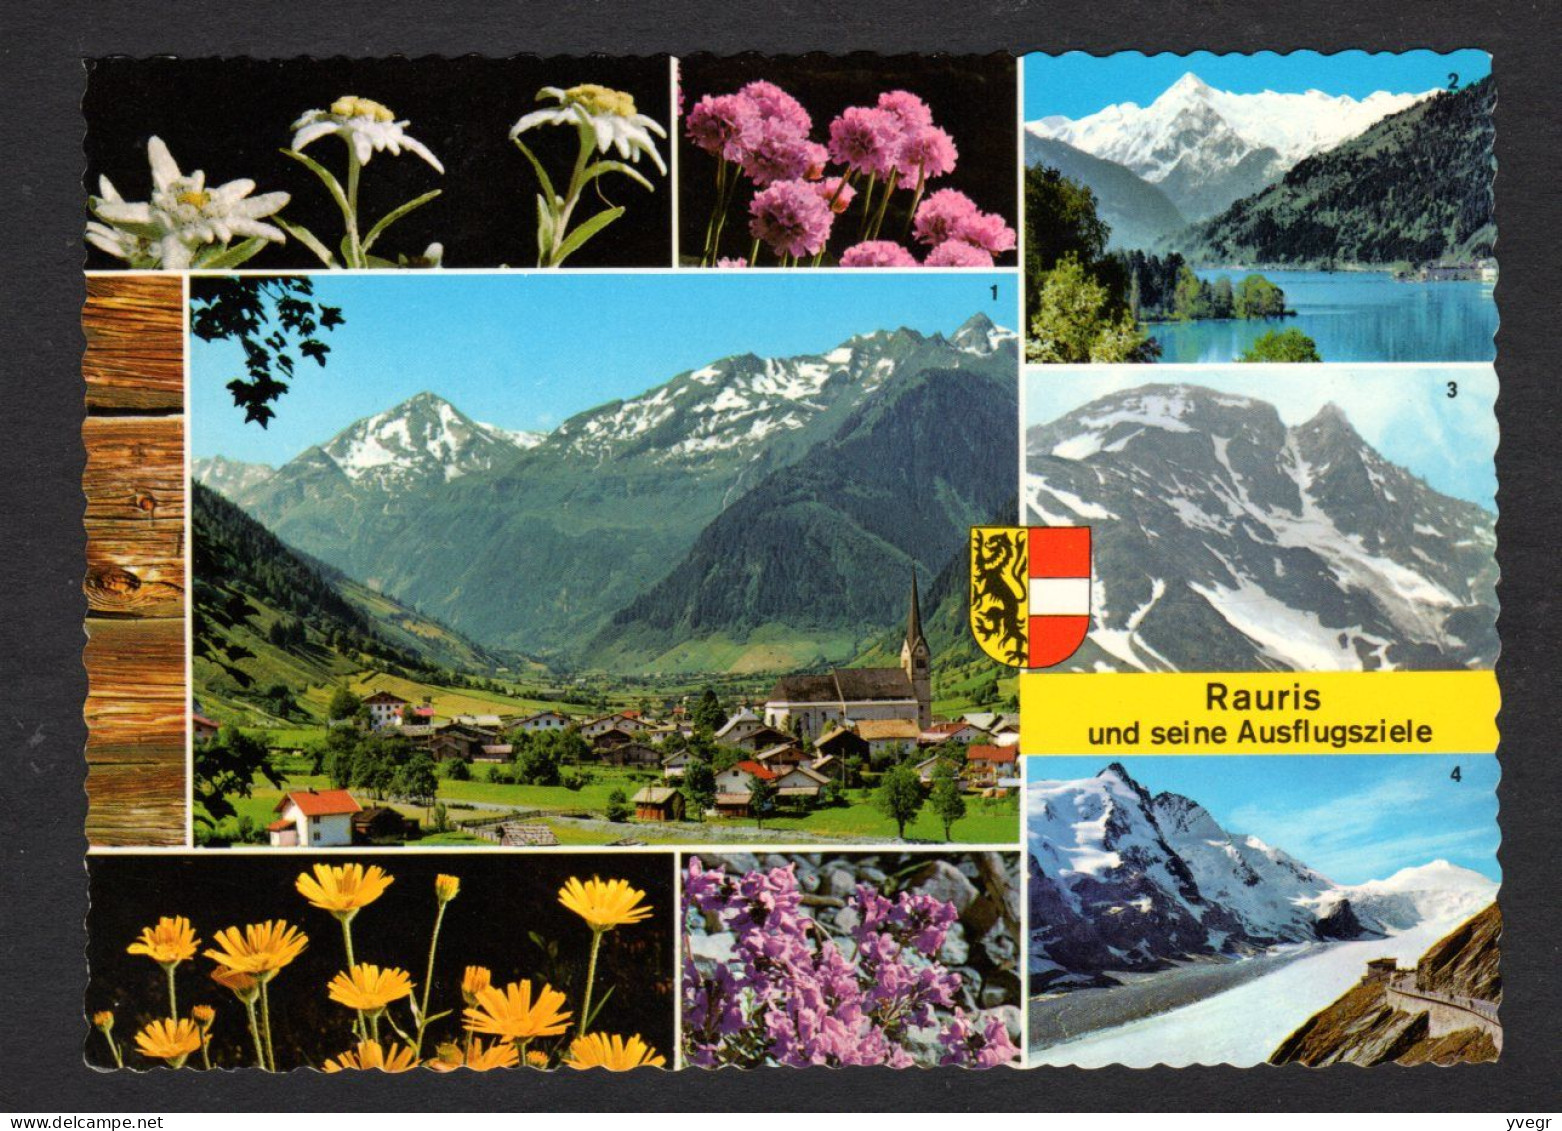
[
  {"x": 763, "y": 135},
  {"x": 792, "y": 994}
]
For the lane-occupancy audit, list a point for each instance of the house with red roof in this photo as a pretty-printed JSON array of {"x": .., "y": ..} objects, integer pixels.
[
  {"x": 204, "y": 729},
  {"x": 986, "y": 765},
  {"x": 385, "y": 709},
  {"x": 314, "y": 818}
]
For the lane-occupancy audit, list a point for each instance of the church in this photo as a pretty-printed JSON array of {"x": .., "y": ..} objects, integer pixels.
[{"x": 810, "y": 705}]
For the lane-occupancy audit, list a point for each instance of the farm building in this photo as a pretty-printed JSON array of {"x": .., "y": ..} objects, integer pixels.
[
  {"x": 674, "y": 765},
  {"x": 204, "y": 729},
  {"x": 631, "y": 753},
  {"x": 314, "y": 819},
  {"x": 384, "y": 709},
  {"x": 659, "y": 803},
  {"x": 957, "y": 731},
  {"x": 544, "y": 720},
  {"x": 738, "y": 727},
  {"x": 380, "y": 823}
]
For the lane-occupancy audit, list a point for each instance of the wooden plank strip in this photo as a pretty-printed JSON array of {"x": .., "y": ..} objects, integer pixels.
[
  {"x": 134, "y": 359},
  {"x": 136, "y": 805},
  {"x": 135, "y": 517}
]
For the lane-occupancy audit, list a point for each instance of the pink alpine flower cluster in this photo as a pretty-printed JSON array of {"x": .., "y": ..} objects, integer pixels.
[
  {"x": 801, "y": 193},
  {"x": 792, "y": 995}
]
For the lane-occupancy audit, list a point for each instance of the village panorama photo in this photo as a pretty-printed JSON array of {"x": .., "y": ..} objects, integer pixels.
[{"x": 560, "y": 560}]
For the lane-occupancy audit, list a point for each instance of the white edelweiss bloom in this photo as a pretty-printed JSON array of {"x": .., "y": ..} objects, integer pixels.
[
  {"x": 184, "y": 214},
  {"x": 365, "y": 125},
  {"x": 609, "y": 114},
  {"x": 118, "y": 242}
]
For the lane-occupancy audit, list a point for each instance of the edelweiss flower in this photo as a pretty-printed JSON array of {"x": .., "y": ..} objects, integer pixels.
[
  {"x": 365, "y": 125},
  {"x": 609, "y": 114},
  {"x": 182, "y": 215}
]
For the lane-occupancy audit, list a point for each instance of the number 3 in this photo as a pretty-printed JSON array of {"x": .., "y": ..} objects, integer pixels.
[{"x": 1453, "y": 389}]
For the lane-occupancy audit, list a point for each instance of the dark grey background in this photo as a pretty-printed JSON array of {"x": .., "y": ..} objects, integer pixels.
[{"x": 42, "y": 882}]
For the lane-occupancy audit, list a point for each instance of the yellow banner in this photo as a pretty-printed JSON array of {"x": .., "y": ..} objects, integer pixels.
[{"x": 1259, "y": 713}]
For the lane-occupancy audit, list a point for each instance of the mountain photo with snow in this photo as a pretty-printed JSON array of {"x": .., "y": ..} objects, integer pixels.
[
  {"x": 544, "y": 536},
  {"x": 1211, "y": 208},
  {"x": 1241, "y": 909},
  {"x": 1274, "y": 518}
]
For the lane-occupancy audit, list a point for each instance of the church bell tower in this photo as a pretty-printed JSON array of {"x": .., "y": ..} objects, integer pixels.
[{"x": 916, "y": 659}]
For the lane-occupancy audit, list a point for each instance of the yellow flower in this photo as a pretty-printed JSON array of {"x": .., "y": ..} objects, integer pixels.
[
  {"x": 604, "y": 904},
  {"x": 475, "y": 980},
  {"x": 244, "y": 986},
  {"x": 103, "y": 1019},
  {"x": 614, "y": 1053},
  {"x": 537, "y": 1059},
  {"x": 369, "y": 988},
  {"x": 446, "y": 887},
  {"x": 204, "y": 1015},
  {"x": 512, "y": 1014},
  {"x": 171, "y": 941},
  {"x": 343, "y": 889},
  {"x": 499, "y": 1054},
  {"x": 369, "y": 1054},
  {"x": 260, "y": 949},
  {"x": 169, "y": 1040}
]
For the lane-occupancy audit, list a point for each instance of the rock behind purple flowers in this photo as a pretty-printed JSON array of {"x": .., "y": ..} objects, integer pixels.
[{"x": 980, "y": 947}]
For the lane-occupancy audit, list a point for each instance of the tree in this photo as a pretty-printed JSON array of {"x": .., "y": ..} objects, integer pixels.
[
  {"x": 225, "y": 768},
  {"x": 417, "y": 780},
  {"x": 947, "y": 799},
  {"x": 707, "y": 712},
  {"x": 272, "y": 319},
  {"x": 1077, "y": 321},
  {"x": 458, "y": 770},
  {"x": 1282, "y": 345},
  {"x": 761, "y": 800},
  {"x": 1060, "y": 222},
  {"x": 899, "y": 797},
  {"x": 617, "y": 806},
  {"x": 699, "y": 784},
  {"x": 343, "y": 706}
]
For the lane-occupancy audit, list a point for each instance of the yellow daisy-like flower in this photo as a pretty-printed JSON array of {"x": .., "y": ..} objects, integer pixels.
[
  {"x": 103, "y": 1019},
  {"x": 204, "y": 1015},
  {"x": 172, "y": 940},
  {"x": 537, "y": 1059},
  {"x": 369, "y": 988},
  {"x": 446, "y": 887},
  {"x": 615, "y": 1053},
  {"x": 604, "y": 904},
  {"x": 343, "y": 889},
  {"x": 260, "y": 948},
  {"x": 479, "y": 1058},
  {"x": 512, "y": 1014},
  {"x": 474, "y": 981},
  {"x": 170, "y": 1040},
  {"x": 244, "y": 986},
  {"x": 369, "y": 1055}
]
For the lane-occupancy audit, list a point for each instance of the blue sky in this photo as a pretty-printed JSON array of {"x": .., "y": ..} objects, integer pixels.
[
  {"x": 528, "y": 351},
  {"x": 1401, "y": 410},
  {"x": 1353, "y": 817},
  {"x": 1077, "y": 84}
]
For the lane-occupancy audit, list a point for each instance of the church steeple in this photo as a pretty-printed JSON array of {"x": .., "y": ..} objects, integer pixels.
[
  {"x": 916, "y": 658},
  {"x": 914, "y": 635}
]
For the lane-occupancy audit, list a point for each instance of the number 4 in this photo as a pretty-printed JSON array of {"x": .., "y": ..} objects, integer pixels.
[{"x": 1456, "y": 775}]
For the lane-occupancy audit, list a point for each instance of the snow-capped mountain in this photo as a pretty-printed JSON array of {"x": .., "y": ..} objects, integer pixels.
[
  {"x": 1226, "y": 541},
  {"x": 424, "y": 438},
  {"x": 559, "y": 535},
  {"x": 1123, "y": 881},
  {"x": 230, "y": 477},
  {"x": 735, "y": 408},
  {"x": 1207, "y": 148}
]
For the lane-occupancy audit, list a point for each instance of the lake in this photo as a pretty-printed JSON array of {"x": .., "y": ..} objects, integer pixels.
[{"x": 1353, "y": 316}]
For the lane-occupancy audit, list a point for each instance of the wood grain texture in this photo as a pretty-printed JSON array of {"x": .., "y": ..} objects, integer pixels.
[
  {"x": 135, "y": 343},
  {"x": 137, "y": 695}
]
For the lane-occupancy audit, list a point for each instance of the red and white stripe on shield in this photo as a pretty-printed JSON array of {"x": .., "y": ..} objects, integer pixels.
[{"x": 1059, "y": 592}]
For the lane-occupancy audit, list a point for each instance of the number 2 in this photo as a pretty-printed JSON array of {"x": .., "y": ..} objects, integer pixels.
[{"x": 1453, "y": 80}]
